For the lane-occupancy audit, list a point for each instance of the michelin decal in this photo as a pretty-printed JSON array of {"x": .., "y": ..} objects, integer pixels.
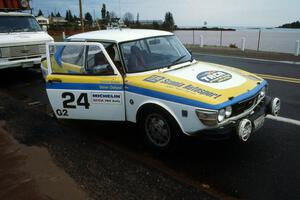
[{"x": 106, "y": 98}]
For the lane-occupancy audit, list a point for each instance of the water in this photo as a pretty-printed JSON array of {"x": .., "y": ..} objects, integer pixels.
[{"x": 273, "y": 40}]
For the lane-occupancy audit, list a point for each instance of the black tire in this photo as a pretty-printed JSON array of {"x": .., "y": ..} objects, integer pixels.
[{"x": 164, "y": 121}]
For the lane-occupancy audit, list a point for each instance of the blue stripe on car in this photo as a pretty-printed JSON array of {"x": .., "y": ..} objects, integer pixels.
[
  {"x": 155, "y": 94},
  {"x": 85, "y": 86}
]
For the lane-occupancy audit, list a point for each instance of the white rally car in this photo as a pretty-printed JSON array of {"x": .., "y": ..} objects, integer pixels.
[{"x": 148, "y": 77}]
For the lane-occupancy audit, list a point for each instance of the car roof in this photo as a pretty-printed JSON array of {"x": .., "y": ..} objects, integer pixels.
[
  {"x": 14, "y": 14},
  {"x": 119, "y": 35}
]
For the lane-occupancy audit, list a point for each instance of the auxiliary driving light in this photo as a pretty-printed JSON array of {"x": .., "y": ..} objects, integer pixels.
[
  {"x": 244, "y": 129},
  {"x": 275, "y": 106}
]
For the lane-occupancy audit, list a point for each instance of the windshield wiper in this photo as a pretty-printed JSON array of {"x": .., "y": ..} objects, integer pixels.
[{"x": 175, "y": 61}]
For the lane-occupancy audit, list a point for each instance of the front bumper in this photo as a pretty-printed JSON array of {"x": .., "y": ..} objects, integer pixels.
[
  {"x": 24, "y": 63},
  {"x": 232, "y": 125}
]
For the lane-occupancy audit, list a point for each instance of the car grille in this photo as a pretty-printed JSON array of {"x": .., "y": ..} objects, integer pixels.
[
  {"x": 243, "y": 105},
  {"x": 23, "y": 51}
]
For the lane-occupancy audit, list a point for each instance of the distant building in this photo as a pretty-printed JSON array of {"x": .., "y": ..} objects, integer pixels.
[
  {"x": 43, "y": 21},
  {"x": 115, "y": 23},
  {"x": 58, "y": 20},
  {"x": 148, "y": 22}
]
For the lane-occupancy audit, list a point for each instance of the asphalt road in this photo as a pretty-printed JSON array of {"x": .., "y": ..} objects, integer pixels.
[{"x": 266, "y": 167}]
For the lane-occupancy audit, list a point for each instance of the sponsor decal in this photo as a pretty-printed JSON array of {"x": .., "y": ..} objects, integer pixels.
[
  {"x": 106, "y": 98},
  {"x": 213, "y": 76},
  {"x": 154, "y": 79},
  {"x": 110, "y": 87},
  {"x": 180, "y": 85}
]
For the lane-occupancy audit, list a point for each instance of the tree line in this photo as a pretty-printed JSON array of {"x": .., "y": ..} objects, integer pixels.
[{"x": 109, "y": 17}]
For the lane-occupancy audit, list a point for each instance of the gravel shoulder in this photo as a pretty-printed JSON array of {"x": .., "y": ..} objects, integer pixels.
[{"x": 99, "y": 171}]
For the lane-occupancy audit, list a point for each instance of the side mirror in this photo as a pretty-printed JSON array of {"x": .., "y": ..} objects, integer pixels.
[{"x": 192, "y": 57}]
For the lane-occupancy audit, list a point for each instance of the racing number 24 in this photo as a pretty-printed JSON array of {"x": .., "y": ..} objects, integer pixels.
[{"x": 69, "y": 98}]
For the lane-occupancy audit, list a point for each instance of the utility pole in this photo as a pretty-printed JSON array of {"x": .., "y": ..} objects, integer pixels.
[{"x": 81, "y": 17}]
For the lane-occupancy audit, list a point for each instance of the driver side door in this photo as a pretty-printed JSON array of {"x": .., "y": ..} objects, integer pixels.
[{"x": 83, "y": 82}]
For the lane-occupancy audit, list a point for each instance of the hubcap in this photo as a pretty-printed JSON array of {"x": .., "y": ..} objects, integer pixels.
[{"x": 157, "y": 130}]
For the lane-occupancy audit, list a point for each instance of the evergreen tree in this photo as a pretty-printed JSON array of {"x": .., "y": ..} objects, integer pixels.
[
  {"x": 69, "y": 16},
  {"x": 169, "y": 22},
  {"x": 107, "y": 16},
  {"x": 40, "y": 13},
  {"x": 58, "y": 15},
  {"x": 88, "y": 17},
  {"x": 138, "y": 18},
  {"x": 103, "y": 11}
]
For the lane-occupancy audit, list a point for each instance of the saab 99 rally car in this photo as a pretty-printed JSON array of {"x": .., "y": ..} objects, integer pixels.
[{"x": 148, "y": 77}]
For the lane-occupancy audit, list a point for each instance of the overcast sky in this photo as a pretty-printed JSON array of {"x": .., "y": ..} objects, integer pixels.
[{"x": 262, "y": 13}]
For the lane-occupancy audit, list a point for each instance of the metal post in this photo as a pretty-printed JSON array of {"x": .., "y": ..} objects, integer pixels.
[
  {"x": 258, "y": 42},
  {"x": 201, "y": 41},
  {"x": 193, "y": 37},
  {"x": 63, "y": 35},
  {"x": 243, "y": 44},
  {"x": 297, "y": 51},
  {"x": 221, "y": 38},
  {"x": 81, "y": 17}
]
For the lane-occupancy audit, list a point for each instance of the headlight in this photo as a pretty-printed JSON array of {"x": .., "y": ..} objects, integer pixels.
[
  {"x": 228, "y": 111},
  {"x": 4, "y": 52},
  {"x": 207, "y": 117},
  {"x": 262, "y": 92},
  {"x": 221, "y": 115}
]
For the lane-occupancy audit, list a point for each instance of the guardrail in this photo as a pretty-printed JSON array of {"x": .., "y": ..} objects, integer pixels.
[{"x": 274, "y": 40}]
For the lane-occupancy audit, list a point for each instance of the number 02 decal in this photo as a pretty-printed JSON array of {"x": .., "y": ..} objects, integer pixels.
[{"x": 69, "y": 99}]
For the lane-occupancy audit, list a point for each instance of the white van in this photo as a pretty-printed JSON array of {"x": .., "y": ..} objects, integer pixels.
[{"x": 22, "y": 41}]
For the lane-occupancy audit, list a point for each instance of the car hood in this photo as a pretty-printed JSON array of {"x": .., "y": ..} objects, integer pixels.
[
  {"x": 23, "y": 38},
  {"x": 202, "y": 84}
]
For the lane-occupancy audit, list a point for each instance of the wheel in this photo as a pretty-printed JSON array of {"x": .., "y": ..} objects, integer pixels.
[{"x": 160, "y": 130}]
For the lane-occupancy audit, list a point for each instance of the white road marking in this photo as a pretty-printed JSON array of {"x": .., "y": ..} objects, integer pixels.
[
  {"x": 283, "y": 119},
  {"x": 247, "y": 58}
]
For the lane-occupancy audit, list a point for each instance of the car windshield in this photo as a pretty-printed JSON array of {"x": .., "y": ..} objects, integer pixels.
[
  {"x": 153, "y": 53},
  {"x": 18, "y": 24}
]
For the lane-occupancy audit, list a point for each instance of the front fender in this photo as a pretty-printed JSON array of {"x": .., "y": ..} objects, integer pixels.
[{"x": 162, "y": 105}]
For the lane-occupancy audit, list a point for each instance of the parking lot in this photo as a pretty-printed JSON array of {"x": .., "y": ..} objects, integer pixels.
[{"x": 109, "y": 159}]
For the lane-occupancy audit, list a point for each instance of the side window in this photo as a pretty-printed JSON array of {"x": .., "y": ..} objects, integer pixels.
[
  {"x": 68, "y": 59},
  {"x": 97, "y": 63},
  {"x": 73, "y": 55}
]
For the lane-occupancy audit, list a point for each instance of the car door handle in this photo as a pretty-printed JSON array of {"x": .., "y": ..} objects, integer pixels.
[{"x": 55, "y": 80}]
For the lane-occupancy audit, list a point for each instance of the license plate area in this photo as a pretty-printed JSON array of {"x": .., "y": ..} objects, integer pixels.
[
  {"x": 27, "y": 64},
  {"x": 259, "y": 122}
]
